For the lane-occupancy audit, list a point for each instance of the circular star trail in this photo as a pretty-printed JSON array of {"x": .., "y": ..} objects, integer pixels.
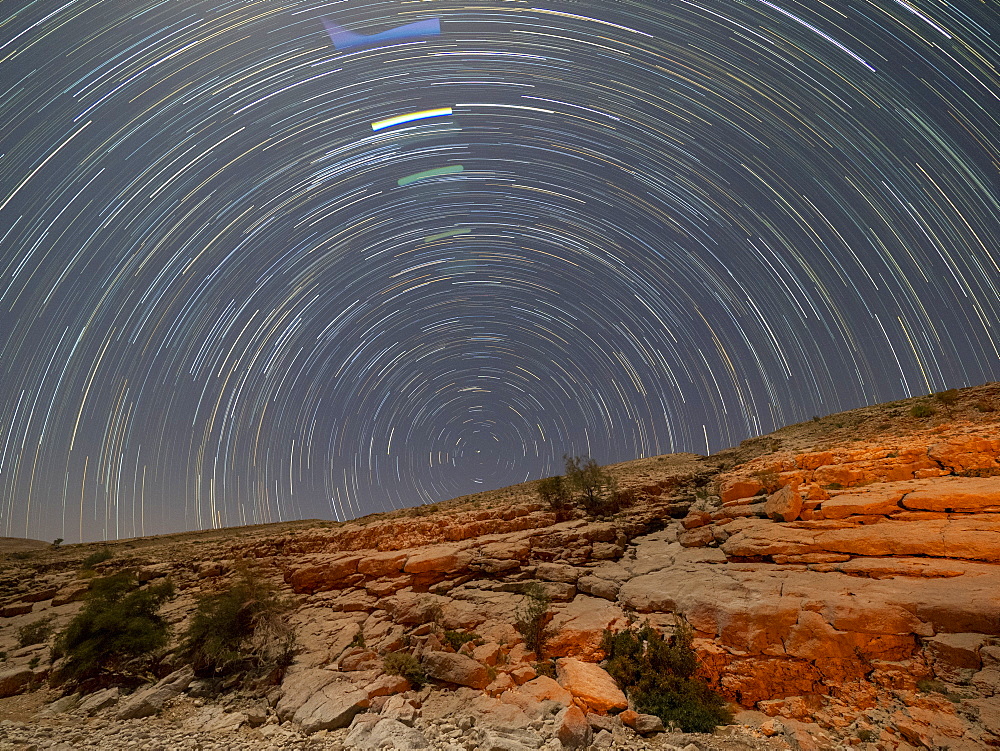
[{"x": 264, "y": 261}]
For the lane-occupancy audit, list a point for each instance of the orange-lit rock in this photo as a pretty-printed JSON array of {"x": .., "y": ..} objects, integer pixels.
[
  {"x": 576, "y": 628},
  {"x": 960, "y": 493},
  {"x": 591, "y": 684}
]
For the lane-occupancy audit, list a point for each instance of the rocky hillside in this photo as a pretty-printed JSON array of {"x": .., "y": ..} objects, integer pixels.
[{"x": 841, "y": 577}]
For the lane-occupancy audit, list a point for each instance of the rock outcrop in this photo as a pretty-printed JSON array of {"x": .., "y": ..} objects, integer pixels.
[{"x": 840, "y": 583}]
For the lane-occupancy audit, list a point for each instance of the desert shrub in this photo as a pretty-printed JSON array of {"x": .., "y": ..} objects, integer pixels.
[
  {"x": 595, "y": 486},
  {"x": 358, "y": 640},
  {"x": 922, "y": 409},
  {"x": 117, "y": 630},
  {"x": 405, "y": 665},
  {"x": 867, "y": 735},
  {"x": 36, "y": 632},
  {"x": 929, "y": 685},
  {"x": 546, "y": 668},
  {"x": 556, "y": 493},
  {"x": 240, "y": 631},
  {"x": 657, "y": 673},
  {"x": 98, "y": 556},
  {"x": 532, "y": 617},
  {"x": 457, "y": 639},
  {"x": 948, "y": 398}
]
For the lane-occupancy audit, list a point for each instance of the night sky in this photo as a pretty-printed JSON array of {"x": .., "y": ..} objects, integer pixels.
[{"x": 234, "y": 290}]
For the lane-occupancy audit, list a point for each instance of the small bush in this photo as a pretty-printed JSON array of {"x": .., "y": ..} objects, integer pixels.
[
  {"x": 118, "y": 629},
  {"x": 533, "y": 616},
  {"x": 922, "y": 409},
  {"x": 867, "y": 735},
  {"x": 929, "y": 685},
  {"x": 596, "y": 487},
  {"x": 948, "y": 398},
  {"x": 457, "y": 639},
  {"x": 547, "y": 668},
  {"x": 98, "y": 556},
  {"x": 405, "y": 665},
  {"x": 57, "y": 542},
  {"x": 656, "y": 672},
  {"x": 553, "y": 491},
  {"x": 358, "y": 640},
  {"x": 241, "y": 631},
  {"x": 37, "y": 632}
]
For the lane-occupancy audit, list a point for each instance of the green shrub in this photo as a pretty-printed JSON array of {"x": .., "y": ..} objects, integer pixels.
[
  {"x": 459, "y": 638},
  {"x": 656, "y": 672},
  {"x": 555, "y": 492},
  {"x": 240, "y": 631},
  {"x": 406, "y": 665},
  {"x": 98, "y": 556},
  {"x": 37, "y": 632},
  {"x": 120, "y": 624},
  {"x": 922, "y": 409},
  {"x": 596, "y": 487},
  {"x": 867, "y": 735},
  {"x": 532, "y": 617}
]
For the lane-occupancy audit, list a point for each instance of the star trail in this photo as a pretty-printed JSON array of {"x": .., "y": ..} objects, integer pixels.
[{"x": 264, "y": 260}]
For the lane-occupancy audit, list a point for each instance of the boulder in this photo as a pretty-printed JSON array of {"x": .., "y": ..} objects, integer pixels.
[
  {"x": 99, "y": 700},
  {"x": 455, "y": 668},
  {"x": 386, "y": 733},
  {"x": 332, "y": 707},
  {"x": 536, "y": 691},
  {"x": 572, "y": 728},
  {"x": 591, "y": 684},
  {"x": 60, "y": 705},
  {"x": 298, "y": 686},
  {"x": 646, "y": 724},
  {"x": 577, "y": 628},
  {"x": 15, "y": 680},
  {"x": 784, "y": 505},
  {"x": 594, "y": 585},
  {"x": 150, "y": 701},
  {"x": 557, "y": 572}
]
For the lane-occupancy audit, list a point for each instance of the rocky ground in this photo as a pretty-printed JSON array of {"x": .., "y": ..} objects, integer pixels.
[{"x": 841, "y": 577}]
